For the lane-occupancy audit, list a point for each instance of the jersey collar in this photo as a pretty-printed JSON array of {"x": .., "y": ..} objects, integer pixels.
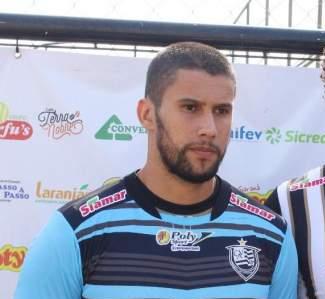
[{"x": 151, "y": 203}]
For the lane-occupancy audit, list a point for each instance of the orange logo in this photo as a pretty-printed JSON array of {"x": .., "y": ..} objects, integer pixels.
[
  {"x": 12, "y": 258},
  {"x": 163, "y": 237}
]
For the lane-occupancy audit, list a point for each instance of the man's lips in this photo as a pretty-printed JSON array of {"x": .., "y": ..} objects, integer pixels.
[{"x": 204, "y": 152}]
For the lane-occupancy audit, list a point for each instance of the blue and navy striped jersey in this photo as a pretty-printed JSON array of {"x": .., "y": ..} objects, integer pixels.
[{"x": 123, "y": 242}]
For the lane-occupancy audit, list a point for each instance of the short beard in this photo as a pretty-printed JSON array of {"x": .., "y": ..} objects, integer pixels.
[{"x": 176, "y": 161}]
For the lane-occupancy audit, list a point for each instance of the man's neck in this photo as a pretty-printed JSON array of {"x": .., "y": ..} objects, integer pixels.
[{"x": 174, "y": 189}]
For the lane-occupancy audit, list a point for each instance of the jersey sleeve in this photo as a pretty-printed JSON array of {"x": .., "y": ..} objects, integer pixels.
[
  {"x": 52, "y": 268},
  {"x": 285, "y": 276},
  {"x": 273, "y": 202}
]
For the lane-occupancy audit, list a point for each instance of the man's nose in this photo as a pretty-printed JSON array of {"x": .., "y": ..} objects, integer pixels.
[{"x": 208, "y": 126}]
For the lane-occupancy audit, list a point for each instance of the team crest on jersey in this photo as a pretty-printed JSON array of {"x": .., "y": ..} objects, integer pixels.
[
  {"x": 244, "y": 259},
  {"x": 181, "y": 240}
]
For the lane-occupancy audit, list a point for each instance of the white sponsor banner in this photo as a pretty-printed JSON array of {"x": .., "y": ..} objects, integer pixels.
[{"x": 68, "y": 123}]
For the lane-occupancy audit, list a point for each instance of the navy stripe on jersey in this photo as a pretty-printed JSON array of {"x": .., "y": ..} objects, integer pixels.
[
  {"x": 134, "y": 259},
  {"x": 297, "y": 202}
]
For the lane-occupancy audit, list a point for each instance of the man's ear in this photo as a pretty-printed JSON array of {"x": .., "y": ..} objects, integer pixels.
[{"x": 146, "y": 113}]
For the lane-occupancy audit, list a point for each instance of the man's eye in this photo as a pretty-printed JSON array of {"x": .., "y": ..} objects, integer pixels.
[
  {"x": 222, "y": 111},
  {"x": 190, "y": 107}
]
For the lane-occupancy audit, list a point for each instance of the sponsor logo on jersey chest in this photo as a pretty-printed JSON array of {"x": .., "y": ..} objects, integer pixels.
[{"x": 180, "y": 240}]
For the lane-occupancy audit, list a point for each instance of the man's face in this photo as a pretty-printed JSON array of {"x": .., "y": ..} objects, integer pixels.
[{"x": 193, "y": 124}]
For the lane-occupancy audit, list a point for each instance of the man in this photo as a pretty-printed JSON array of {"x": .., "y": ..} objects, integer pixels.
[
  {"x": 173, "y": 229},
  {"x": 302, "y": 202}
]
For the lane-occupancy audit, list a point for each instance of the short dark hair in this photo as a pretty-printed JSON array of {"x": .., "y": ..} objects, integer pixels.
[{"x": 183, "y": 55}]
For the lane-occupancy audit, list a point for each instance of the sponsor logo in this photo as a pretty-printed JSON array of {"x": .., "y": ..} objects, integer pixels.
[
  {"x": 11, "y": 127},
  {"x": 250, "y": 188},
  {"x": 4, "y": 112},
  {"x": 294, "y": 136},
  {"x": 12, "y": 190},
  {"x": 254, "y": 192},
  {"x": 273, "y": 135},
  {"x": 12, "y": 258},
  {"x": 47, "y": 194},
  {"x": 244, "y": 259},
  {"x": 59, "y": 125},
  {"x": 114, "y": 129},
  {"x": 181, "y": 240},
  {"x": 96, "y": 203},
  {"x": 242, "y": 202},
  {"x": 260, "y": 197},
  {"x": 112, "y": 181},
  {"x": 244, "y": 134},
  {"x": 163, "y": 237},
  {"x": 15, "y": 130},
  {"x": 304, "y": 184},
  {"x": 6, "y": 115}
]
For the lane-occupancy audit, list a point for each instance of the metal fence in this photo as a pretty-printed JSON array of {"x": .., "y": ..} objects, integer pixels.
[{"x": 243, "y": 43}]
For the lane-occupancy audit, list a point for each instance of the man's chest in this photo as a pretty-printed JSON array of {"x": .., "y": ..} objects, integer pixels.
[{"x": 178, "y": 262}]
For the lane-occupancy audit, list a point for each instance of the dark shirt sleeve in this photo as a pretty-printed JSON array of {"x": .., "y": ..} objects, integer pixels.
[{"x": 273, "y": 202}]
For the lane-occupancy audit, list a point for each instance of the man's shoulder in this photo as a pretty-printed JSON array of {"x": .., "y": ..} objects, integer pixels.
[
  {"x": 243, "y": 203},
  {"x": 312, "y": 178},
  {"x": 295, "y": 187},
  {"x": 103, "y": 198}
]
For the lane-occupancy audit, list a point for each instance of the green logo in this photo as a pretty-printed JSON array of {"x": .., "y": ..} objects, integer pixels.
[
  {"x": 114, "y": 129},
  {"x": 112, "y": 181},
  {"x": 84, "y": 187},
  {"x": 107, "y": 130},
  {"x": 4, "y": 112},
  {"x": 273, "y": 135},
  {"x": 92, "y": 200},
  {"x": 241, "y": 198}
]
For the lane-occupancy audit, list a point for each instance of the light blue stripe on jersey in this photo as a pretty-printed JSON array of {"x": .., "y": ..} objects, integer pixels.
[
  {"x": 226, "y": 217},
  {"x": 243, "y": 218},
  {"x": 115, "y": 215},
  {"x": 245, "y": 290},
  {"x": 186, "y": 219},
  {"x": 139, "y": 214},
  {"x": 152, "y": 230}
]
